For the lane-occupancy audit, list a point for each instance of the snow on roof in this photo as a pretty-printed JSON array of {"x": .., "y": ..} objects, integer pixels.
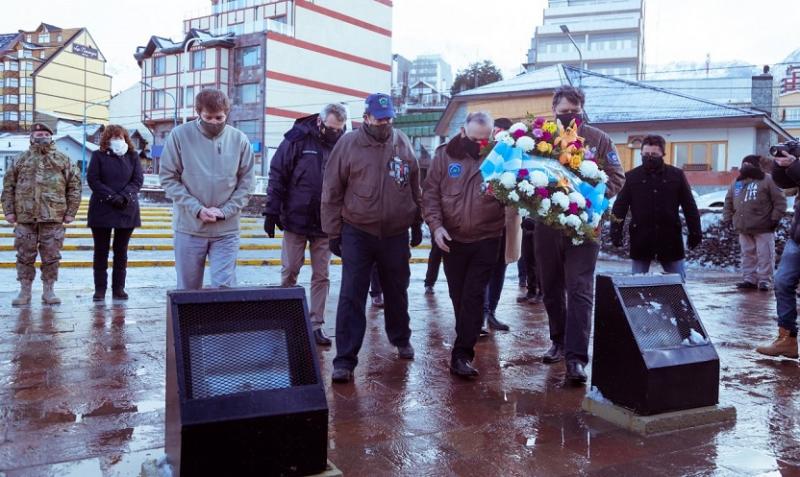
[
  {"x": 6, "y": 39},
  {"x": 550, "y": 77},
  {"x": 612, "y": 100},
  {"x": 720, "y": 90}
]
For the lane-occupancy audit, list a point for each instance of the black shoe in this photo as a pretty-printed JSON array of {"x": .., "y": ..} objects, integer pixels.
[
  {"x": 341, "y": 375},
  {"x": 429, "y": 290},
  {"x": 320, "y": 338},
  {"x": 493, "y": 322},
  {"x": 377, "y": 301},
  {"x": 575, "y": 373},
  {"x": 99, "y": 295},
  {"x": 536, "y": 299},
  {"x": 405, "y": 352},
  {"x": 483, "y": 333},
  {"x": 462, "y": 368},
  {"x": 119, "y": 294},
  {"x": 524, "y": 299},
  {"x": 764, "y": 286},
  {"x": 554, "y": 354},
  {"x": 745, "y": 285}
]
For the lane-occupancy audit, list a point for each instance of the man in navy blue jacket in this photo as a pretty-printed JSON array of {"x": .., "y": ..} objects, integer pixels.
[{"x": 293, "y": 203}]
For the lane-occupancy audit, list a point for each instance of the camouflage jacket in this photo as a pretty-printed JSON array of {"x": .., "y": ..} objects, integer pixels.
[{"x": 41, "y": 188}]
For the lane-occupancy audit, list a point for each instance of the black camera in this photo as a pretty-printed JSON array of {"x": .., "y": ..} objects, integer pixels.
[{"x": 789, "y": 147}]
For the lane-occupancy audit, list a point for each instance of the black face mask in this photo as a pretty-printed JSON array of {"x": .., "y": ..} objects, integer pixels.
[
  {"x": 379, "y": 132},
  {"x": 652, "y": 163},
  {"x": 329, "y": 135},
  {"x": 211, "y": 129},
  {"x": 41, "y": 145},
  {"x": 566, "y": 119}
]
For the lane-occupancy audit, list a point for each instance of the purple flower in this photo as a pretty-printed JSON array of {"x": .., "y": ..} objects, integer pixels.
[
  {"x": 538, "y": 133},
  {"x": 538, "y": 122},
  {"x": 547, "y": 136},
  {"x": 573, "y": 208},
  {"x": 542, "y": 192},
  {"x": 518, "y": 133}
]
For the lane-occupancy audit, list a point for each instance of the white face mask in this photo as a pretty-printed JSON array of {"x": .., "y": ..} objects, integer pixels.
[{"x": 118, "y": 146}]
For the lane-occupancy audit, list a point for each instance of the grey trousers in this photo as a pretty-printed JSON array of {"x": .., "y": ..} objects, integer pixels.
[
  {"x": 566, "y": 275},
  {"x": 293, "y": 253},
  {"x": 190, "y": 260}
]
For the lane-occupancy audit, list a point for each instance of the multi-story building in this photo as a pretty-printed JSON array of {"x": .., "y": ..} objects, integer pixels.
[
  {"x": 51, "y": 73},
  {"x": 609, "y": 34},
  {"x": 791, "y": 78},
  {"x": 432, "y": 69},
  {"x": 278, "y": 60},
  {"x": 401, "y": 69}
]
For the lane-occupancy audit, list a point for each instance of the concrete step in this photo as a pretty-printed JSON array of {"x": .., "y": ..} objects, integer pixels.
[
  {"x": 145, "y": 226},
  {"x": 272, "y": 262}
]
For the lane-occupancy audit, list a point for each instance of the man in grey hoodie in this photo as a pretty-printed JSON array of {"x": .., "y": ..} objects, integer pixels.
[{"x": 207, "y": 171}]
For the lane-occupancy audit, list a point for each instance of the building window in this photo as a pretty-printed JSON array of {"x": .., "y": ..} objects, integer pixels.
[
  {"x": 198, "y": 59},
  {"x": 792, "y": 114},
  {"x": 188, "y": 96},
  {"x": 249, "y": 127},
  {"x": 26, "y": 99},
  {"x": 11, "y": 82},
  {"x": 12, "y": 66},
  {"x": 27, "y": 116},
  {"x": 26, "y": 65},
  {"x": 248, "y": 56},
  {"x": 247, "y": 93},
  {"x": 695, "y": 155},
  {"x": 44, "y": 38},
  {"x": 59, "y": 38},
  {"x": 159, "y": 65},
  {"x": 41, "y": 54},
  {"x": 12, "y": 99},
  {"x": 158, "y": 99},
  {"x": 10, "y": 116},
  {"x": 29, "y": 38}
]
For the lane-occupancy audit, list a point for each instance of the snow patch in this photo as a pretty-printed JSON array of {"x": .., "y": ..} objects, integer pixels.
[
  {"x": 595, "y": 395},
  {"x": 694, "y": 339}
]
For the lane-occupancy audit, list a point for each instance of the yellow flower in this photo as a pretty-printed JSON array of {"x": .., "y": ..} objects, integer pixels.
[
  {"x": 575, "y": 162},
  {"x": 550, "y": 127},
  {"x": 544, "y": 147}
]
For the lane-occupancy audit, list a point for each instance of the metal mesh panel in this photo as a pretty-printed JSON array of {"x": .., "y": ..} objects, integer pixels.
[
  {"x": 660, "y": 316},
  {"x": 236, "y": 347}
]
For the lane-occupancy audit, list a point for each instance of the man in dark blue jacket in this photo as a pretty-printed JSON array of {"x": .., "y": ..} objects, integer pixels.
[{"x": 293, "y": 203}]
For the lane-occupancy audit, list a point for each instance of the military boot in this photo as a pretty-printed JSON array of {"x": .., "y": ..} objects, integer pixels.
[
  {"x": 48, "y": 296},
  {"x": 24, "y": 297},
  {"x": 784, "y": 345}
]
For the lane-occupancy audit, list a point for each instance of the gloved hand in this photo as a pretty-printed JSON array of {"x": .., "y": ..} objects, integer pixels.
[
  {"x": 119, "y": 201},
  {"x": 270, "y": 222},
  {"x": 694, "y": 240},
  {"x": 416, "y": 235},
  {"x": 335, "y": 244}
]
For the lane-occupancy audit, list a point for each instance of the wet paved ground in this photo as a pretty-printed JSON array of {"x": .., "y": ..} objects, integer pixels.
[{"x": 83, "y": 390}]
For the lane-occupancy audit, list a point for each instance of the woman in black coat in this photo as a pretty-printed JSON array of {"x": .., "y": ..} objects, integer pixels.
[{"x": 115, "y": 177}]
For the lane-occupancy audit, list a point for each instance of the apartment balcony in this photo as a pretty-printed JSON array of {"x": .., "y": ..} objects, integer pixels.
[
  {"x": 597, "y": 9},
  {"x": 571, "y": 56},
  {"x": 553, "y": 26},
  {"x": 227, "y": 6},
  {"x": 260, "y": 26}
]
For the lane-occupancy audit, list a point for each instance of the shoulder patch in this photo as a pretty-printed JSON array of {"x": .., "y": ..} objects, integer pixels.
[
  {"x": 454, "y": 170},
  {"x": 612, "y": 158}
]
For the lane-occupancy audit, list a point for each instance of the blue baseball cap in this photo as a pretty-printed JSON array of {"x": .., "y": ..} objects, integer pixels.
[{"x": 380, "y": 106}]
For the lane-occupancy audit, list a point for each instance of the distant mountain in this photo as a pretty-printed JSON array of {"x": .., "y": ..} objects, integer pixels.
[{"x": 697, "y": 69}]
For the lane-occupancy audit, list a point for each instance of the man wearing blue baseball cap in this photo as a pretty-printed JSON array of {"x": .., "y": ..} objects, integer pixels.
[{"x": 371, "y": 196}]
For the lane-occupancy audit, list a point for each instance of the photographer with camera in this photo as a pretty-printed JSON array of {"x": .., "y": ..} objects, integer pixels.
[{"x": 786, "y": 174}]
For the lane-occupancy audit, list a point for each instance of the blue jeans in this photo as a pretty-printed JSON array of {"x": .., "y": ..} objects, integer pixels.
[
  {"x": 786, "y": 280},
  {"x": 643, "y": 266}
]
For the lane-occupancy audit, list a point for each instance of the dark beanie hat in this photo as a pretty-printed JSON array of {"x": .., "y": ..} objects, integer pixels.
[
  {"x": 753, "y": 160},
  {"x": 502, "y": 123}
]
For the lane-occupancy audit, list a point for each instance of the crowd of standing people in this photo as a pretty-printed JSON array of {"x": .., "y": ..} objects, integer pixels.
[{"x": 363, "y": 196}]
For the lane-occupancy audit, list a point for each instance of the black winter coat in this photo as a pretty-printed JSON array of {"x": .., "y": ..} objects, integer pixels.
[
  {"x": 653, "y": 199},
  {"x": 787, "y": 178},
  {"x": 107, "y": 175},
  {"x": 295, "y": 178}
]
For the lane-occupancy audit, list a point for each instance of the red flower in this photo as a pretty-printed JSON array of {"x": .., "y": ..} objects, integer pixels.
[
  {"x": 577, "y": 144},
  {"x": 523, "y": 173},
  {"x": 538, "y": 122},
  {"x": 489, "y": 189},
  {"x": 542, "y": 192},
  {"x": 573, "y": 208},
  {"x": 547, "y": 136},
  {"x": 483, "y": 143},
  {"x": 518, "y": 133}
]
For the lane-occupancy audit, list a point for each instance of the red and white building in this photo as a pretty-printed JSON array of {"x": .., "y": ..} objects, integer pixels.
[{"x": 277, "y": 59}]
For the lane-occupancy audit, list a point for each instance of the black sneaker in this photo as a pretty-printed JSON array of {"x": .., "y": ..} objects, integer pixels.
[
  {"x": 764, "y": 286},
  {"x": 341, "y": 375},
  {"x": 745, "y": 285}
]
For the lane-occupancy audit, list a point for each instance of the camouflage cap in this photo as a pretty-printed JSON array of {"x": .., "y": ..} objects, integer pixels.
[{"x": 41, "y": 127}]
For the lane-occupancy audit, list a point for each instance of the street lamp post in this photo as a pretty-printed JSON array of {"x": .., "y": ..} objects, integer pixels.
[
  {"x": 174, "y": 103},
  {"x": 184, "y": 65},
  {"x": 565, "y": 29},
  {"x": 86, "y": 106}
]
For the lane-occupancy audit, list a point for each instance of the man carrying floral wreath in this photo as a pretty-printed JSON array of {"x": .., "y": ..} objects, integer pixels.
[{"x": 567, "y": 265}]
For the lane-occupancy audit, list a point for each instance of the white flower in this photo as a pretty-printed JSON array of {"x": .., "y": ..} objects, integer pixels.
[
  {"x": 573, "y": 221},
  {"x": 562, "y": 219},
  {"x": 526, "y": 188},
  {"x": 589, "y": 170},
  {"x": 603, "y": 177},
  {"x": 539, "y": 179},
  {"x": 596, "y": 220},
  {"x": 560, "y": 199},
  {"x": 524, "y": 213},
  {"x": 508, "y": 180},
  {"x": 513, "y": 196},
  {"x": 544, "y": 205},
  {"x": 577, "y": 198},
  {"x": 517, "y": 127},
  {"x": 576, "y": 241},
  {"x": 526, "y": 143},
  {"x": 508, "y": 140},
  {"x": 584, "y": 217},
  {"x": 501, "y": 136}
]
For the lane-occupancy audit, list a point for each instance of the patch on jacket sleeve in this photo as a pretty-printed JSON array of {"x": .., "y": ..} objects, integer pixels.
[{"x": 612, "y": 158}]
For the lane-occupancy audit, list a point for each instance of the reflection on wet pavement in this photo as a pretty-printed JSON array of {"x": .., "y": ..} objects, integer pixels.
[{"x": 83, "y": 394}]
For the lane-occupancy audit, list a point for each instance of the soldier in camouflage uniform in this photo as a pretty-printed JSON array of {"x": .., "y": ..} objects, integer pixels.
[{"x": 41, "y": 193}]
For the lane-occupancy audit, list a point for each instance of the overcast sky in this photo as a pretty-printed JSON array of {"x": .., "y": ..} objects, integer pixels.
[{"x": 762, "y": 32}]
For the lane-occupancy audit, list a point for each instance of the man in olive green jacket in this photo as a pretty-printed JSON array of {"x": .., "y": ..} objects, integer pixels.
[{"x": 41, "y": 193}]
